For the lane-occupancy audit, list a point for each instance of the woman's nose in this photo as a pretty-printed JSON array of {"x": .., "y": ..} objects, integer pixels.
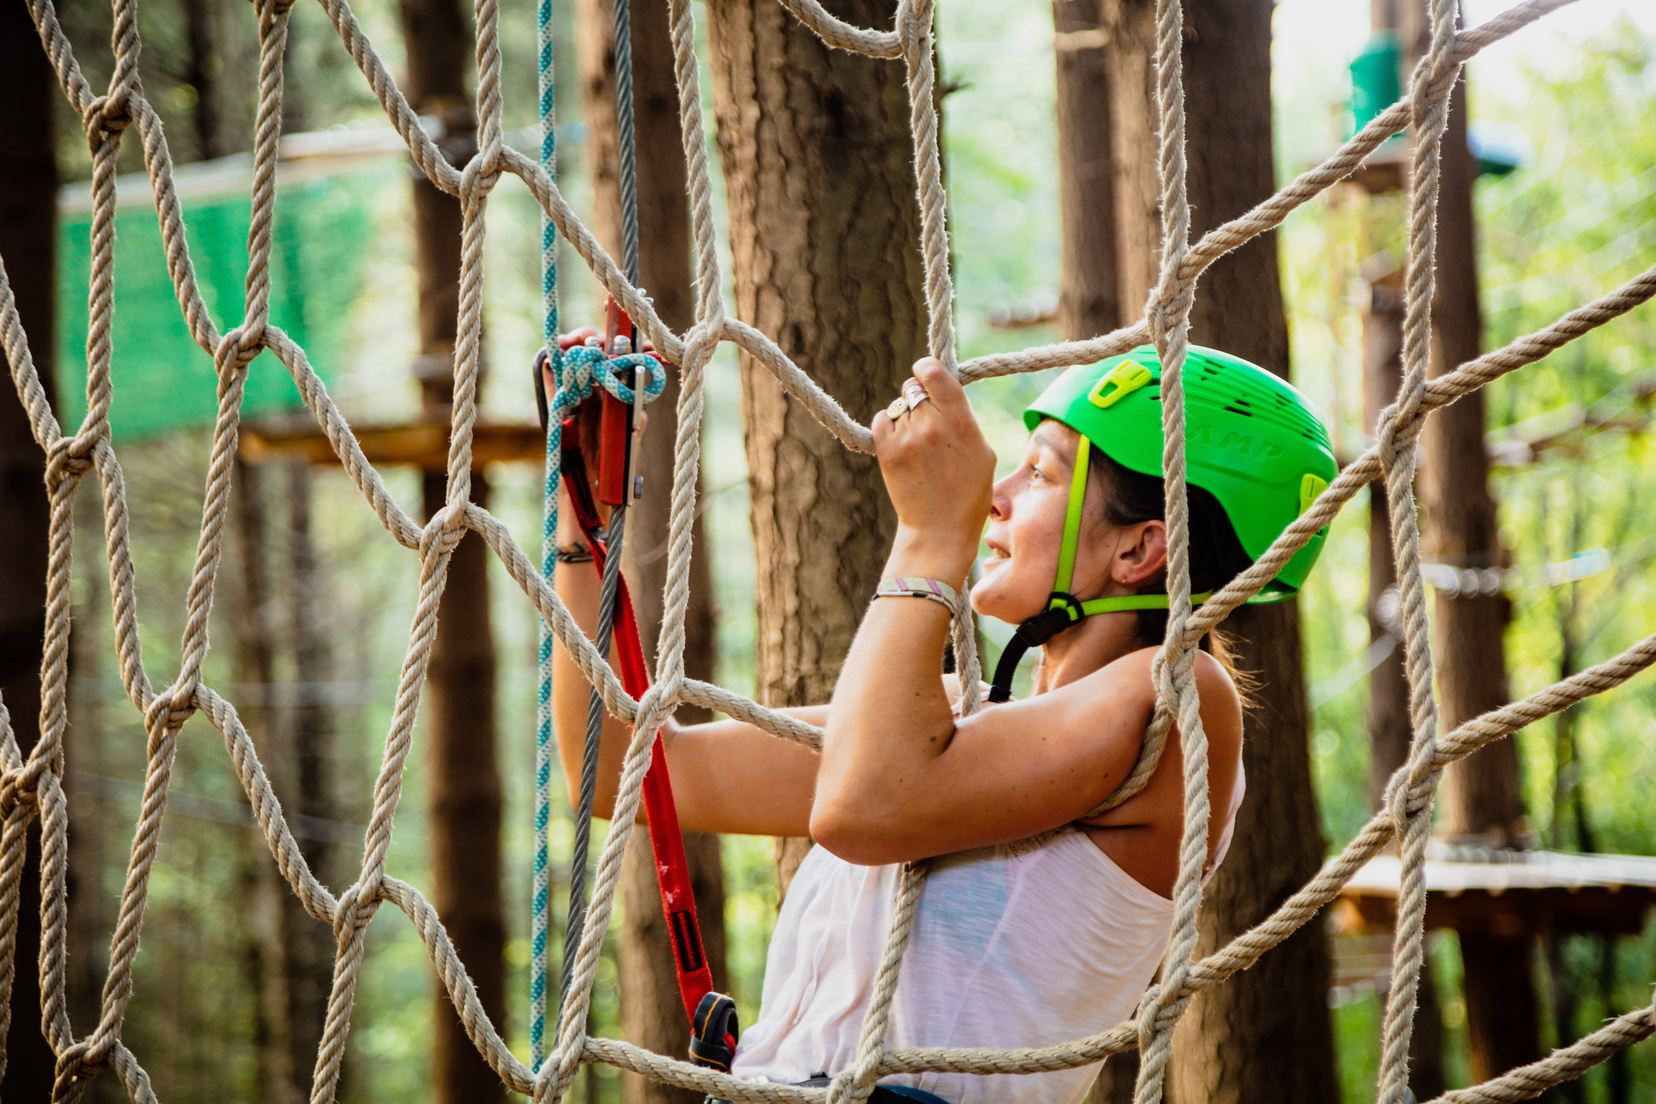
[{"x": 1000, "y": 500}]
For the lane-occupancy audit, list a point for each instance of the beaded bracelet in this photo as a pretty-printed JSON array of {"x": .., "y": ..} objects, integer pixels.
[{"x": 935, "y": 589}]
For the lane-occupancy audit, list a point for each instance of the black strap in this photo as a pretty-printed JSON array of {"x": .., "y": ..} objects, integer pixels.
[
  {"x": 1063, "y": 610},
  {"x": 714, "y": 1031}
]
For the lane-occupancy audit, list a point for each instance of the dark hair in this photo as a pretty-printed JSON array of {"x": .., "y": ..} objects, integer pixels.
[{"x": 1216, "y": 554}]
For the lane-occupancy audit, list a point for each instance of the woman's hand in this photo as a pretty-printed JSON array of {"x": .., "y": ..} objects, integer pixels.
[{"x": 938, "y": 471}]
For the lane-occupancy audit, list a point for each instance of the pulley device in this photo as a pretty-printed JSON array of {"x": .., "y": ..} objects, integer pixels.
[{"x": 601, "y": 384}]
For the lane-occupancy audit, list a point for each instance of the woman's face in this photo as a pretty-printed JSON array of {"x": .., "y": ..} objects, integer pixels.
[
  {"x": 1026, "y": 532},
  {"x": 1026, "y": 529}
]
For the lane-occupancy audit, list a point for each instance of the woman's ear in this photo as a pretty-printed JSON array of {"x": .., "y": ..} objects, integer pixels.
[{"x": 1142, "y": 553}]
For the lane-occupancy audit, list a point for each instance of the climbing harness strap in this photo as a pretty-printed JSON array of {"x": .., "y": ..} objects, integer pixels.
[{"x": 714, "y": 1031}]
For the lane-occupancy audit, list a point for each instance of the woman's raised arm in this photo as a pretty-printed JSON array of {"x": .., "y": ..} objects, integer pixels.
[{"x": 728, "y": 776}]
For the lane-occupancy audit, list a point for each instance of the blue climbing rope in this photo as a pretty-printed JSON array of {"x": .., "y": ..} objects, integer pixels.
[
  {"x": 577, "y": 373},
  {"x": 541, "y": 903}
]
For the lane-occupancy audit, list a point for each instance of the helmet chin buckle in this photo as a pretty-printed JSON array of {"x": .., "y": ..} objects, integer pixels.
[{"x": 1063, "y": 610}]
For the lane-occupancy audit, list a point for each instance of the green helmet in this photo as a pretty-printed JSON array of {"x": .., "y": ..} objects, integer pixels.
[{"x": 1252, "y": 441}]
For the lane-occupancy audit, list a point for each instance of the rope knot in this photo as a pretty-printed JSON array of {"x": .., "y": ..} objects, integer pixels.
[
  {"x": 168, "y": 710},
  {"x": 481, "y": 174},
  {"x": 356, "y": 907},
  {"x": 1396, "y": 432},
  {"x": 443, "y": 533},
  {"x": 583, "y": 369},
  {"x": 1409, "y": 793},
  {"x": 237, "y": 348},
  {"x": 18, "y": 789},
  {"x": 1168, "y": 306},
  {"x": 107, "y": 116},
  {"x": 77, "y": 1066},
  {"x": 849, "y": 1085},
  {"x": 69, "y": 458}
]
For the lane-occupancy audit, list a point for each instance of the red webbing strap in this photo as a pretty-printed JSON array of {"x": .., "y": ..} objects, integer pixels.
[{"x": 678, "y": 902}]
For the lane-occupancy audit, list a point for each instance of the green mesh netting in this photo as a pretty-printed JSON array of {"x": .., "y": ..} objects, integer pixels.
[{"x": 163, "y": 381}]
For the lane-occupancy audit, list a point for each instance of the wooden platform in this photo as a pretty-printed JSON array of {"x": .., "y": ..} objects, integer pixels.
[
  {"x": 1509, "y": 893},
  {"x": 423, "y": 444}
]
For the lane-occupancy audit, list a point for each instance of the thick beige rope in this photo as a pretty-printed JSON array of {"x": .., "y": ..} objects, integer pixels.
[{"x": 31, "y": 786}]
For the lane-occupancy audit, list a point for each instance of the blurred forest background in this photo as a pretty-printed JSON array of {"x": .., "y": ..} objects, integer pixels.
[{"x": 1569, "y": 440}]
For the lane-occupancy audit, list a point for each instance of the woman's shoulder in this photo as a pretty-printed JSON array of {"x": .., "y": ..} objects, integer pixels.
[
  {"x": 1130, "y": 681},
  {"x": 1135, "y": 670}
]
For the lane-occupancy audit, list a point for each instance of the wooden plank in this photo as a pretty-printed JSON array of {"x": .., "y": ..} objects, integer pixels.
[{"x": 421, "y": 444}]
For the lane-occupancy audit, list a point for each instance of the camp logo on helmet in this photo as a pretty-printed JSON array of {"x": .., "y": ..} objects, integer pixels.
[{"x": 1243, "y": 444}]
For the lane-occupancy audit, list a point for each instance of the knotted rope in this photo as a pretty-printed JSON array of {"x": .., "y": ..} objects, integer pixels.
[{"x": 31, "y": 786}]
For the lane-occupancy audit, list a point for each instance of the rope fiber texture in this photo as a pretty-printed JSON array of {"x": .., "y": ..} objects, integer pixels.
[{"x": 31, "y": 786}]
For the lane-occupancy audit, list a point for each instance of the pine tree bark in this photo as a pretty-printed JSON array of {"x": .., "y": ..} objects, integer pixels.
[
  {"x": 825, "y": 256},
  {"x": 460, "y": 686},
  {"x": 28, "y": 240},
  {"x": 1481, "y": 799},
  {"x": 651, "y": 1013},
  {"x": 1265, "y": 1034}
]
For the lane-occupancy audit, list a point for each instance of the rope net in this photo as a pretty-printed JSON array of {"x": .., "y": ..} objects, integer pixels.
[{"x": 31, "y": 785}]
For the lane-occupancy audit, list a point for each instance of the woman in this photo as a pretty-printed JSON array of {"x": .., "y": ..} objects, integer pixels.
[{"x": 1039, "y": 923}]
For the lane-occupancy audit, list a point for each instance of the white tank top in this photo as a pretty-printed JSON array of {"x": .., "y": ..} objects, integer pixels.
[{"x": 1013, "y": 946}]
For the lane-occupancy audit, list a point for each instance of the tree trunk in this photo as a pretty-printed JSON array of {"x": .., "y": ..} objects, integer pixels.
[
  {"x": 262, "y": 887},
  {"x": 1481, "y": 799},
  {"x": 1088, "y": 298},
  {"x": 1265, "y": 1034},
  {"x": 1088, "y": 301},
  {"x": 28, "y": 241},
  {"x": 460, "y": 688},
  {"x": 307, "y": 947},
  {"x": 651, "y": 1013},
  {"x": 817, "y": 157},
  {"x": 1388, "y": 707}
]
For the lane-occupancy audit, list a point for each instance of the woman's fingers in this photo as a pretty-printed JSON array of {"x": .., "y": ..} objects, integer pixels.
[{"x": 942, "y": 387}]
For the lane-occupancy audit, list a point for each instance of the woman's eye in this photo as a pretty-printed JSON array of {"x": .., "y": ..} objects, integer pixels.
[{"x": 1036, "y": 474}]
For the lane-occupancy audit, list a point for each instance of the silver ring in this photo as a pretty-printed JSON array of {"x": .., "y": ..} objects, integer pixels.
[{"x": 914, "y": 395}]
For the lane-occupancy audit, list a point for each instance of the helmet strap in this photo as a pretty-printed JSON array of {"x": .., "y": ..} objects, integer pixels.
[{"x": 1063, "y": 608}]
